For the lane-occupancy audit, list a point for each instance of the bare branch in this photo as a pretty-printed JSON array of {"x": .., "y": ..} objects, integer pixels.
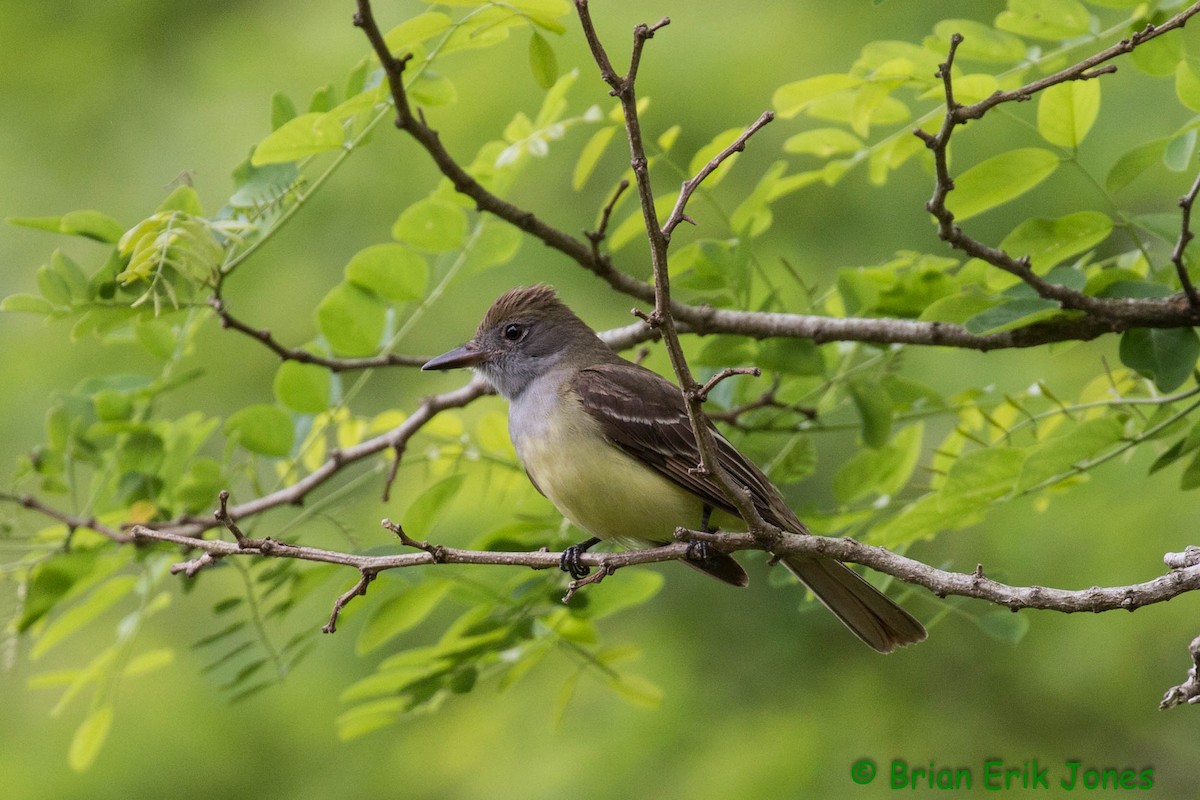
[
  {"x": 597, "y": 236},
  {"x": 940, "y": 582},
  {"x": 690, "y": 186},
  {"x": 1185, "y": 236},
  {"x": 72, "y": 521},
  {"x": 702, "y": 392},
  {"x": 1112, "y": 310},
  {"x": 1189, "y": 690},
  {"x": 303, "y": 356},
  {"x": 662, "y": 317},
  {"x": 360, "y": 588}
]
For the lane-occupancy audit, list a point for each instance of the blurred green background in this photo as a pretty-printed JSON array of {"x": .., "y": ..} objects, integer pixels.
[{"x": 107, "y": 103}]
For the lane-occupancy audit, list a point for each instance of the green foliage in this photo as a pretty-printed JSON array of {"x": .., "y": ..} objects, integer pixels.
[{"x": 923, "y": 460}]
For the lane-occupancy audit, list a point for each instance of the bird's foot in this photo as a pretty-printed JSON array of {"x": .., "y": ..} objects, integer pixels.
[
  {"x": 570, "y": 561},
  {"x": 697, "y": 552}
]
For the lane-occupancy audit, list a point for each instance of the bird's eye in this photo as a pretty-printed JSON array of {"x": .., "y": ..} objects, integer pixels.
[{"x": 513, "y": 331}]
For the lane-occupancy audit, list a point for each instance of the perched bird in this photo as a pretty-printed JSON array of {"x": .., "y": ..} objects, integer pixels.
[{"x": 609, "y": 443}]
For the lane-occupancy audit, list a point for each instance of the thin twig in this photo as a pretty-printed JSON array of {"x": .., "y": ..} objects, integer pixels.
[
  {"x": 358, "y": 589},
  {"x": 597, "y": 236},
  {"x": 305, "y": 357},
  {"x": 689, "y": 187},
  {"x": 1116, "y": 311},
  {"x": 940, "y": 582},
  {"x": 1185, "y": 236},
  {"x": 662, "y": 317},
  {"x": 701, "y": 393},
  {"x": 72, "y": 521}
]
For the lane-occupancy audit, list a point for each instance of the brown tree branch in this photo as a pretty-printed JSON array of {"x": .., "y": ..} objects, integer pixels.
[
  {"x": 690, "y": 186},
  {"x": 1112, "y": 310},
  {"x": 1120, "y": 315},
  {"x": 659, "y": 235},
  {"x": 303, "y": 356},
  {"x": 1177, "y": 581},
  {"x": 72, "y": 521},
  {"x": 1189, "y": 690},
  {"x": 1185, "y": 237}
]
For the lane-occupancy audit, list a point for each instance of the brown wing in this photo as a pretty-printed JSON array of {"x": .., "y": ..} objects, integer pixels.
[{"x": 644, "y": 414}]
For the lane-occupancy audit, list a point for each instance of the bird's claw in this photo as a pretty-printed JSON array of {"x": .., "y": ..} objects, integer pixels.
[{"x": 571, "y": 562}]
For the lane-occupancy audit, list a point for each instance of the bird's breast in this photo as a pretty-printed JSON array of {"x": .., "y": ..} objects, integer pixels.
[{"x": 593, "y": 483}]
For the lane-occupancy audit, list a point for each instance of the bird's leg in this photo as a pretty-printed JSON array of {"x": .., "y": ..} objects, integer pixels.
[
  {"x": 570, "y": 563},
  {"x": 697, "y": 551}
]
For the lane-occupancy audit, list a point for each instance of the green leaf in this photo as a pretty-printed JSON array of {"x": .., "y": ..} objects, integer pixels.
[
  {"x": 89, "y": 738},
  {"x": 413, "y": 31},
  {"x": 369, "y": 717},
  {"x": 306, "y": 135},
  {"x": 199, "y": 485},
  {"x": 51, "y": 581},
  {"x": 1066, "y": 112},
  {"x": 710, "y": 151},
  {"x": 148, "y": 662},
  {"x": 590, "y": 156},
  {"x": 156, "y": 335},
  {"x": 1180, "y": 149},
  {"x": 495, "y": 244},
  {"x": 392, "y": 271},
  {"x": 323, "y": 99},
  {"x": 99, "y": 600},
  {"x": 1010, "y": 314},
  {"x": 26, "y": 304},
  {"x": 302, "y": 387},
  {"x": 1134, "y": 163},
  {"x": 635, "y": 587},
  {"x": 980, "y": 43},
  {"x": 542, "y": 61},
  {"x": 1159, "y": 56},
  {"x": 1048, "y": 242},
  {"x": 1190, "y": 478},
  {"x": 111, "y": 405},
  {"x": 283, "y": 110},
  {"x": 1187, "y": 85},
  {"x": 422, "y": 514},
  {"x": 982, "y": 476},
  {"x": 792, "y": 356},
  {"x": 924, "y": 519},
  {"x": 89, "y": 224},
  {"x": 1045, "y": 19},
  {"x": 262, "y": 428},
  {"x": 1057, "y": 456},
  {"x": 958, "y": 307},
  {"x": 792, "y": 98},
  {"x": 70, "y": 271},
  {"x": 183, "y": 198},
  {"x": 1167, "y": 355},
  {"x": 637, "y": 690},
  {"x": 795, "y": 460},
  {"x": 52, "y": 286},
  {"x": 879, "y": 472},
  {"x": 431, "y": 89},
  {"x": 1004, "y": 625},
  {"x": 1000, "y": 179},
  {"x": 432, "y": 224},
  {"x": 352, "y": 320},
  {"x": 262, "y": 186},
  {"x": 823, "y": 142},
  {"x": 400, "y": 613},
  {"x": 875, "y": 408}
]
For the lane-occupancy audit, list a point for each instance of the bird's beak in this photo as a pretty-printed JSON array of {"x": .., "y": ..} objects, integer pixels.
[{"x": 469, "y": 355}]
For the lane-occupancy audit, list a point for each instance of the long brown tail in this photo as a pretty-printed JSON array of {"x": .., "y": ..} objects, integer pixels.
[{"x": 870, "y": 614}]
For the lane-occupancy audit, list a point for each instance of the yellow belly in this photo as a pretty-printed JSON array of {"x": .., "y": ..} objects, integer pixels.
[{"x": 599, "y": 487}]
